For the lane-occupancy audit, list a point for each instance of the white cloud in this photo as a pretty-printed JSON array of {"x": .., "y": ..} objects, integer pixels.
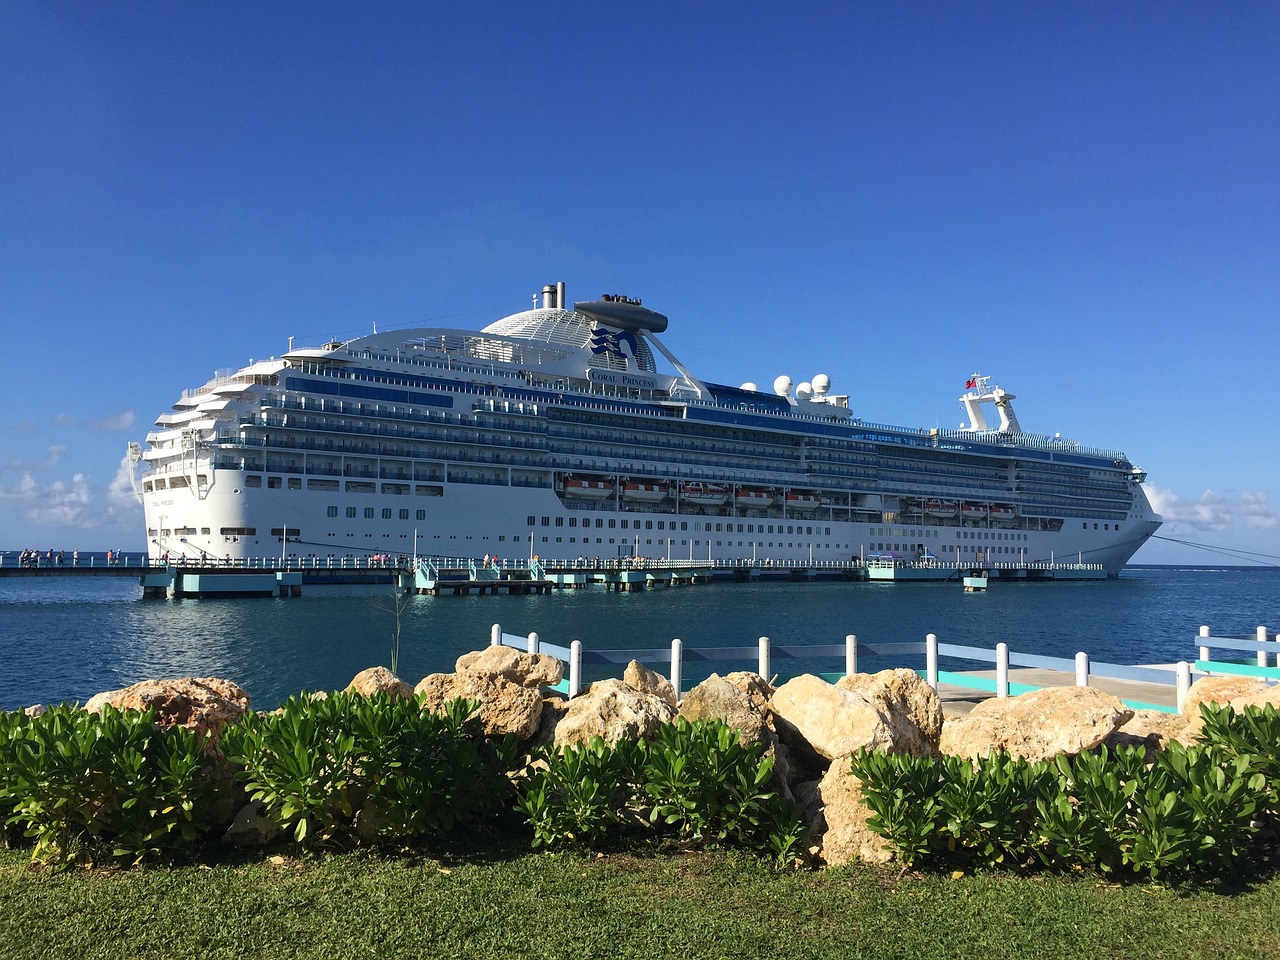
[
  {"x": 111, "y": 423},
  {"x": 1213, "y": 511},
  {"x": 76, "y": 503},
  {"x": 120, "y": 492}
]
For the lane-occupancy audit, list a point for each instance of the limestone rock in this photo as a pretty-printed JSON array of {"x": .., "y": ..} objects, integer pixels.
[
  {"x": 614, "y": 711},
  {"x": 1036, "y": 725},
  {"x": 553, "y": 711},
  {"x": 836, "y": 723},
  {"x": 1152, "y": 729},
  {"x": 648, "y": 681},
  {"x": 1235, "y": 692},
  {"x": 909, "y": 705},
  {"x": 505, "y": 707},
  {"x": 847, "y": 837},
  {"x": 379, "y": 680},
  {"x": 251, "y": 827},
  {"x": 202, "y": 704},
  {"x": 744, "y": 706},
  {"x": 526, "y": 670}
]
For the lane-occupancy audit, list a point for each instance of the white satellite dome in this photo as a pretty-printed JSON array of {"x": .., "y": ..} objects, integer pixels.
[
  {"x": 750, "y": 386},
  {"x": 821, "y": 384},
  {"x": 782, "y": 386},
  {"x": 804, "y": 391}
]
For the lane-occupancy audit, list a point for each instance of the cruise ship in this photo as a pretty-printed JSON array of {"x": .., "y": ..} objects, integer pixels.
[{"x": 556, "y": 432}]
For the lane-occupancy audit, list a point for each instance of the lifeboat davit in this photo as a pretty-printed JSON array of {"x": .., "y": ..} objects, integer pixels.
[
  {"x": 704, "y": 494},
  {"x": 753, "y": 499},
  {"x": 974, "y": 511},
  {"x": 644, "y": 492},
  {"x": 803, "y": 502},
  {"x": 588, "y": 489},
  {"x": 942, "y": 509}
]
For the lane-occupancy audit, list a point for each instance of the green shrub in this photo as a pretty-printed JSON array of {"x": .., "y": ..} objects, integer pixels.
[
  {"x": 902, "y": 792},
  {"x": 693, "y": 781},
  {"x": 80, "y": 784},
  {"x": 1254, "y": 733},
  {"x": 348, "y": 768}
]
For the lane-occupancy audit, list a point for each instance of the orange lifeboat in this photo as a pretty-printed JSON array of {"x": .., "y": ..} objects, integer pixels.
[{"x": 588, "y": 488}]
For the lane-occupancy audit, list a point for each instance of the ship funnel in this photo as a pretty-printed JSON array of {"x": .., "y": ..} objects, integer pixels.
[
  {"x": 560, "y": 301},
  {"x": 548, "y": 297}
]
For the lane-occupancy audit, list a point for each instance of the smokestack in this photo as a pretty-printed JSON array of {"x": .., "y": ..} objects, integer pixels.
[
  {"x": 548, "y": 297},
  {"x": 560, "y": 301}
]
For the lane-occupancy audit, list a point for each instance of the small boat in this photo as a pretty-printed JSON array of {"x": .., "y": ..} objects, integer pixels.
[
  {"x": 1003, "y": 513},
  {"x": 588, "y": 489},
  {"x": 974, "y": 511},
  {"x": 943, "y": 509},
  {"x": 803, "y": 502},
  {"x": 644, "y": 492},
  {"x": 750, "y": 499},
  {"x": 704, "y": 494}
]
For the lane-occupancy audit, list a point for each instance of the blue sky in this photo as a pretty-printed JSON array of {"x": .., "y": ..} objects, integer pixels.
[{"x": 1081, "y": 200}]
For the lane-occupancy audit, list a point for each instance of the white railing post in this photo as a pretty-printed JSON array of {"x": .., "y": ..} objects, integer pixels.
[
  {"x": 850, "y": 655},
  {"x": 533, "y": 643},
  {"x": 931, "y": 660},
  {"x": 495, "y": 635},
  {"x": 1184, "y": 682},
  {"x": 1204, "y": 648},
  {"x": 1082, "y": 669},
  {"x": 764, "y": 657},
  {"x": 1002, "y": 670},
  {"x": 1262, "y": 654},
  {"x": 676, "y": 666},
  {"x": 575, "y": 668}
]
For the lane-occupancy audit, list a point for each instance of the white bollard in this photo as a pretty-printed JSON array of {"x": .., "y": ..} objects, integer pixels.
[
  {"x": 931, "y": 660},
  {"x": 1262, "y": 654},
  {"x": 533, "y": 643},
  {"x": 495, "y": 635},
  {"x": 676, "y": 649},
  {"x": 1002, "y": 670},
  {"x": 1204, "y": 649},
  {"x": 764, "y": 657},
  {"x": 850, "y": 655},
  {"x": 1082, "y": 669},
  {"x": 575, "y": 668},
  {"x": 1184, "y": 682}
]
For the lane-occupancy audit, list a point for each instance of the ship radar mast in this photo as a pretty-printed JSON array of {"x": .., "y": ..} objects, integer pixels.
[{"x": 978, "y": 392}]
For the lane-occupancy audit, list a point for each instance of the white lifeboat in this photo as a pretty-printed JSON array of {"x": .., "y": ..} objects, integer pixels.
[
  {"x": 704, "y": 494},
  {"x": 942, "y": 509},
  {"x": 804, "y": 502},
  {"x": 588, "y": 488},
  {"x": 1003, "y": 513},
  {"x": 974, "y": 511},
  {"x": 644, "y": 492},
  {"x": 750, "y": 499}
]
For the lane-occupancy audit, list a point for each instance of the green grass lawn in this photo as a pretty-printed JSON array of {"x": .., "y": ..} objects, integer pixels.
[{"x": 571, "y": 906}]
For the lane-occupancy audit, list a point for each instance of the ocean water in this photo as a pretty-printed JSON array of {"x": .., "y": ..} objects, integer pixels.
[{"x": 66, "y": 638}]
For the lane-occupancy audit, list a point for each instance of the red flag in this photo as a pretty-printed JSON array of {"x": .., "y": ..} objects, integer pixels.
[{"x": 971, "y": 383}]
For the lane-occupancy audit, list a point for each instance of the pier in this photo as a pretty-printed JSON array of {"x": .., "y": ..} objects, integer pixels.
[{"x": 435, "y": 576}]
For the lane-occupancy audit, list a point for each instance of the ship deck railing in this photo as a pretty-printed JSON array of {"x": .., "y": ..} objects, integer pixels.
[{"x": 1167, "y": 683}]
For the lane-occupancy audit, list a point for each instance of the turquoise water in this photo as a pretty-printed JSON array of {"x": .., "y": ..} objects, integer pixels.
[{"x": 66, "y": 638}]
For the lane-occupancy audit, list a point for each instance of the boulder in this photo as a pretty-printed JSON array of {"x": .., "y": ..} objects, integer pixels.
[
  {"x": 524, "y": 669},
  {"x": 1152, "y": 729},
  {"x": 1235, "y": 692},
  {"x": 614, "y": 711},
  {"x": 251, "y": 827},
  {"x": 640, "y": 677},
  {"x": 847, "y": 837},
  {"x": 1036, "y": 725},
  {"x": 202, "y": 704},
  {"x": 834, "y": 722},
  {"x": 379, "y": 680},
  {"x": 909, "y": 705},
  {"x": 505, "y": 707},
  {"x": 744, "y": 706}
]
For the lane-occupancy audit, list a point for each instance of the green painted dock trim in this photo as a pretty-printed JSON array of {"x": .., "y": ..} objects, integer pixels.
[{"x": 1238, "y": 669}]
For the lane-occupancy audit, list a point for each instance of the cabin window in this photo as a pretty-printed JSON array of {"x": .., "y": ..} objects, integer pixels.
[
  {"x": 573, "y": 521},
  {"x": 421, "y": 514},
  {"x": 559, "y": 521},
  {"x": 274, "y": 483},
  {"x": 612, "y": 524},
  {"x": 546, "y": 521},
  {"x": 368, "y": 513},
  {"x": 351, "y": 513},
  {"x": 331, "y": 511},
  {"x": 252, "y": 480},
  {"x": 386, "y": 513},
  {"x": 404, "y": 514}
]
